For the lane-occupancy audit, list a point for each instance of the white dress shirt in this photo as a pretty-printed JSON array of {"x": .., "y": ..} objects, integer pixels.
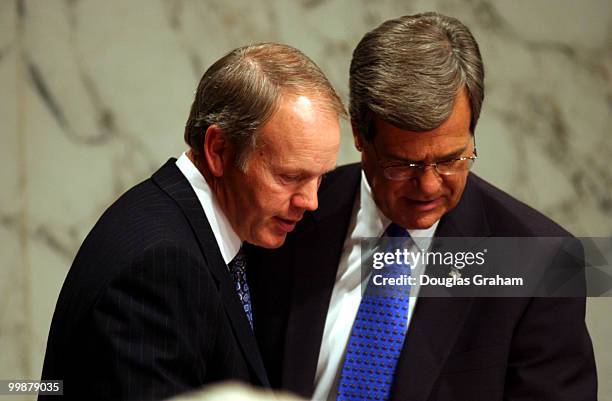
[
  {"x": 228, "y": 241},
  {"x": 367, "y": 221}
]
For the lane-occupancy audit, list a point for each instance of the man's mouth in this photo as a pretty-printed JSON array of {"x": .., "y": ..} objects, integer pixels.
[
  {"x": 286, "y": 225},
  {"x": 424, "y": 205}
]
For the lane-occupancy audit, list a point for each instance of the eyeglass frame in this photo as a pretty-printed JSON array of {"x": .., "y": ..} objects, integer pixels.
[{"x": 422, "y": 166}]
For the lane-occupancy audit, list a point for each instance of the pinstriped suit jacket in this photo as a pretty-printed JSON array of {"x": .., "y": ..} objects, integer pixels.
[{"x": 148, "y": 308}]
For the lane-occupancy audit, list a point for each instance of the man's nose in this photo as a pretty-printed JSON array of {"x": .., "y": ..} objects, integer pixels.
[
  {"x": 429, "y": 182},
  {"x": 307, "y": 199}
]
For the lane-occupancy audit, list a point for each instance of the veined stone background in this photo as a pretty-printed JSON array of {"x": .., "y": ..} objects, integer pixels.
[{"x": 94, "y": 96}]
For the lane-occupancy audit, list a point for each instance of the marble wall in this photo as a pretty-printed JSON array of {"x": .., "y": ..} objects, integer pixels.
[{"x": 94, "y": 95}]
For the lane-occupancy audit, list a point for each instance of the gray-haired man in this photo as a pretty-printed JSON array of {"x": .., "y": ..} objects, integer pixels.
[{"x": 416, "y": 89}]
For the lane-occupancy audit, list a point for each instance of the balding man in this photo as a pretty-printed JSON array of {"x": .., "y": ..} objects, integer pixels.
[{"x": 156, "y": 302}]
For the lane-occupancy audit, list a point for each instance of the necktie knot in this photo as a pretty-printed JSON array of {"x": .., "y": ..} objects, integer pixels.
[
  {"x": 238, "y": 264},
  {"x": 395, "y": 231},
  {"x": 394, "y": 238}
]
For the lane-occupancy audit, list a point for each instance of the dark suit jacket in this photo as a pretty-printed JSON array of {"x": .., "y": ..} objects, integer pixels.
[
  {"x": 456, "y": 348},
  {"x": 148, "y": 308}
]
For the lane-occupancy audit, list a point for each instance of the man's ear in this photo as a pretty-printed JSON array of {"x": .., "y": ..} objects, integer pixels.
[
  {"x": 217, "y": 150},
  {"x": 358, "y": 139}
]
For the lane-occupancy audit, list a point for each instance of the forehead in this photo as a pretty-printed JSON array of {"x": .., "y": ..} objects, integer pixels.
[
  {"x": 413, "y": 145},
  {"x": 450, "y": 136},
  {"x": 301, "y": 131}
]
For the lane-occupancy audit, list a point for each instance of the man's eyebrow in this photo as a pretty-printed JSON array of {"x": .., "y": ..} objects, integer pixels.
[
  {"x": 305, "y": 172},
  {"x": 455, "y": 154}
]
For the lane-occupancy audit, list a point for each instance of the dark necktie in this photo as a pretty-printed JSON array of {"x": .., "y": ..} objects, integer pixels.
[
  {"x": 238, "y": 269},
  {"x": 377, "y": 336}
]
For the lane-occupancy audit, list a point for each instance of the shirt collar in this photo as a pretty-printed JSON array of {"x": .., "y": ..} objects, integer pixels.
[
  {"x": 373, "y": 222},
  {"x": 228, "y": 241}
]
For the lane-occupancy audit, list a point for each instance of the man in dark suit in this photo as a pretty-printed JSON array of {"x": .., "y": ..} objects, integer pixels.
[
  {"x": 416, "y": 89},
  {"x": 156, "y": 301}
]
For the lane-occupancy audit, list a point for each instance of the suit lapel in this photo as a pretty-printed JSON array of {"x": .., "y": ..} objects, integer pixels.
[
  {"x": 437, "y": 322},
  {"x": 313, "y": 280},
  {"x": 171, "y": 180}
]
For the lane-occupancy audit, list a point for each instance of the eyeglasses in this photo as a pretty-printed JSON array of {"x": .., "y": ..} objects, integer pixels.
[{"x": 399, "y": 171}]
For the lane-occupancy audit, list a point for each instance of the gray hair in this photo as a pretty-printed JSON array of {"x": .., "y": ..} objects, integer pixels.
[
  {"x": 408, "y": 72},
  {"x": 241, "y": 91}
]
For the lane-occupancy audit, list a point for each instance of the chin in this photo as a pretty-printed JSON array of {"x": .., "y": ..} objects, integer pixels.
[
  {"x": 271, "y": 241},
  {"x": 422, "y": 222}
]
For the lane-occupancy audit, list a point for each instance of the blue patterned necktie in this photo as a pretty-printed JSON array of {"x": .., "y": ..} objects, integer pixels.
[
  {"x": 378, "y": 332},
  {"x": 238, "y": 269}
]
